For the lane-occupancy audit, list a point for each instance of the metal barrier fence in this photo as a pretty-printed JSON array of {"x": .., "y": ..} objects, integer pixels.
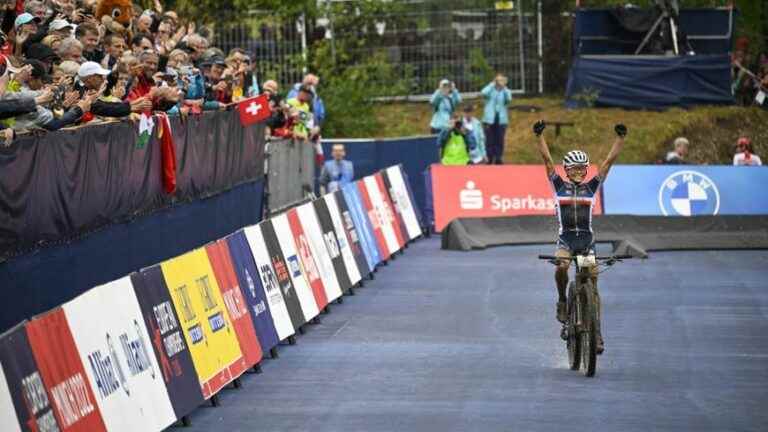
[
  {"x": 465, "y": 45},
  {"x": 290, "y": 174}
]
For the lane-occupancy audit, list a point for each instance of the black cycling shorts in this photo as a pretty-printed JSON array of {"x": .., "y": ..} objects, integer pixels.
[{"x": 576, "y": 242}]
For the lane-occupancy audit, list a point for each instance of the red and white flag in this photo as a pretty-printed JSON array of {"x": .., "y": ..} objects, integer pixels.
[{"x": 254, "y": 110}]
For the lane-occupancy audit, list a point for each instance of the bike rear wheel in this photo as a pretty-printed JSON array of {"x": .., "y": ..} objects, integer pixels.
[
  {"x": 587, "y": 335},
  {"x": 573, "y": 342}
]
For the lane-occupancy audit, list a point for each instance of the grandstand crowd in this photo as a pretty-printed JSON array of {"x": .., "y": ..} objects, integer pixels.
[{"x": 66, "y": 63}]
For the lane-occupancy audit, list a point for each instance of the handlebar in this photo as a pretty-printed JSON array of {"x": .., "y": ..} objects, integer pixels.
[{"x": 599, "y": 258}]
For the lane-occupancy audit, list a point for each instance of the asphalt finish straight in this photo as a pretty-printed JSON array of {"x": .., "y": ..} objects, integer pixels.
[{"x": 467, "y": 341}]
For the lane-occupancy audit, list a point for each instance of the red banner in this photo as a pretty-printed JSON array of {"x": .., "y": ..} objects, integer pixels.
[
  {"x": 221, "y": 261},
  {"x": 307, "y": 260},
  {"x": 53, "y": 346},
  {"x": 493, "y": 191}
]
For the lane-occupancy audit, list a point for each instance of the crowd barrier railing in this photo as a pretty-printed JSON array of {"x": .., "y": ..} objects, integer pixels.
[
  {"x": 64, "y": 184},
  {"x": 143, "y": 351},
  {"x": 664, "y": 190},
  {"x": 290, "y": 173}
]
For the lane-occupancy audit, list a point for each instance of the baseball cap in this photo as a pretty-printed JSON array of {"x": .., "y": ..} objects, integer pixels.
[
  {"x": 444, "y": 82},
  {"x": 25, "y": 18},
  {"x": 59, "y": 24},
  {"x": 743, "y": 141},
  {"x": 91, "y": 68}
]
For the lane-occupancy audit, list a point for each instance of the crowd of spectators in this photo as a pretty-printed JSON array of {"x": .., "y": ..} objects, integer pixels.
[
  {"x": 61, "y": 66},
  {"x": 744, "y": 154},
  {"x": 749, "y": 76}
]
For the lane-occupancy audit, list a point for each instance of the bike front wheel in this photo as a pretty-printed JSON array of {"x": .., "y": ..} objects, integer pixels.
[
  {"x": 573, "y": 340},
  {"x": 587, "y": 334}
]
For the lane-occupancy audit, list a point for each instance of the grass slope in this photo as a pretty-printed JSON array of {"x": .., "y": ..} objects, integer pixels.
[{"x": 712, "y": 130}]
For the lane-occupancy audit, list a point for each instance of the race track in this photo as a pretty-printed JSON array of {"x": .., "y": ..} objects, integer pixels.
[{"x": 454, "y": 341}]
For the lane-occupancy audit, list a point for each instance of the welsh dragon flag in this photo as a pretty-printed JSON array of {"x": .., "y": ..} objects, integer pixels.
[{"x": 168, "y": 153}]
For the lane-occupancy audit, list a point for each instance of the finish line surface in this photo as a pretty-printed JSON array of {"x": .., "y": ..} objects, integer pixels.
[{"x": 454, "y": 341}]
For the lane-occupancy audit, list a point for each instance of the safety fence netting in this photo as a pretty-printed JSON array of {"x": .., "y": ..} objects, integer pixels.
[
  {"x": 633, "y": 235},
  {"x": 143, "y": 351}
]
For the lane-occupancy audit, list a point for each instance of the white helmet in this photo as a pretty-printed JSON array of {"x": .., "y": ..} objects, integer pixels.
[{"x": 575, "y": 158}]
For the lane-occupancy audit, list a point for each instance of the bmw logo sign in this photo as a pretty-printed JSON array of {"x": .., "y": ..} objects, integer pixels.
[{"x": 689, "y": 193}]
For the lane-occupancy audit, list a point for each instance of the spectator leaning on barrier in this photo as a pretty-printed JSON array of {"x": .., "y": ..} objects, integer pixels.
[
  {"x": 744, "y": 155},
  {"x": 444, "y": 102},
  {"x": 495, "y": 117},
  {"x": 473, "y": 125},
  {"x": 456, "y": 144},
  {"x": 311, "y": 81},
  {"x": 677, "y": 156},
  {"x": 338, "y": 171},
  {"x": 304, "y": 126}
]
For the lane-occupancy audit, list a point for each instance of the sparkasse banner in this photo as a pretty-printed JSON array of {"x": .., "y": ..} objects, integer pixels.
[{"x": 493, "y": 190}]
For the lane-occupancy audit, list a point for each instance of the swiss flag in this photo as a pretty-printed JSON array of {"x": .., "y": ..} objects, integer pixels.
[{"x": 254, "y": 110}]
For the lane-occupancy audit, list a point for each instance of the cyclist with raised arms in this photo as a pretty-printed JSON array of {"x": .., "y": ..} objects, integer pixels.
[{"x": 575, "y": 199}]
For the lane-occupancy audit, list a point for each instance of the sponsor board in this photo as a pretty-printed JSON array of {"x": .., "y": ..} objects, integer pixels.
[
  {"x": 116, "y": 351},
  {"x": 253, "y": 290},
  {"x": 8, "y": 420},
  {"x": 397, "y": 222},
  {"x": 73, "y": 401},
  {"x": 333, "y": 244},
  {"x": 311, "y": 227},
  {"x": 296, "y": 268},
  {"x": 375, "y": 220},
  {"x": 401, "y": 199},
  {"x": 282, "y": 273},
  {"x": 308, "y": 260},
  {"x": 362, "y": 224},
  {"x": 162, "y": 322},
  {"x": 480, "y": 191},
  {"x": 350, "y": 249},
  {"x": 221, "y": 262},
  {"x": 679, "y": 190},
  {"x": 382, "y": 213},
  {"x": 31, "y": 407},
  {"x": 205, "y": 321},
  {"x": 278, "y": 310}
]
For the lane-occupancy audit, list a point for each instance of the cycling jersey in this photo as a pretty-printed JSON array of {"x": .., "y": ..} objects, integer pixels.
[{"x": 574, "y": 203}]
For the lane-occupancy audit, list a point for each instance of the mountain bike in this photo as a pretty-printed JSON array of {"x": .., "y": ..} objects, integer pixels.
[{"x": 580, "y": 329}]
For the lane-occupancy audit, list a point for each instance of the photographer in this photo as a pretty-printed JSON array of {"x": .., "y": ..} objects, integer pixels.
[
  {"x": 495, "y": 117},
  {"x": 444, "y": 102},
  {"x": 455, "y": 144}
]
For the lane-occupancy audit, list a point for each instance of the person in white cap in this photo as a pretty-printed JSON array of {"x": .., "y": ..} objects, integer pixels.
[
  {"x": 444, "y": 102},
  {"x": 61, "y": 27},
  {"x": 92, "y": 77}
]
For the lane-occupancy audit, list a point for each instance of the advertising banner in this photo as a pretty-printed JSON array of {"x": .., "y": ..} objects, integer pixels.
[
  {"x": 308, "y": 260},
  {"x": 345, "y": 247},
  {"x": 393, "y": 178},
  {"x": 374, "y": 220},
  {"x": 384, "y": 214},
  {"x": 362, "y": 224},
  {"x": 221, "y": 262},
  {"x": 253, "y": 291},
  {"x": 279, "y": 312},
  {"x": 171, "y": 350},
  {"x": 494, "y": 190},
  {"x": 8, "y": 420},
  {"x": 282, "y": 272},
  {"x": 332, "y": 244},
  {"x": 350, "y": 233},
  {"x": 311, "y": 227},
  {"x": 205, "y": 321},
  {"x": 115, "y": 348},
  {"x": 679, "y": 190},
  {"x": 73, "y": 401},
  {"x": 31, "y": 408},
  {"x": 296, "y": 268},
  {"x": 398, "y": 225}
]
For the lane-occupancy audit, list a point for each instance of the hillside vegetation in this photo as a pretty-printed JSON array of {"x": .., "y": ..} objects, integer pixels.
[{"x": 712, "y": 130}]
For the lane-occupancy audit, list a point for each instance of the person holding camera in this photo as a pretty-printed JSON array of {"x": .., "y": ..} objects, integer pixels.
[
  {"x": 444, "y": 102},
  {"x": 495, "y": 117},
  {"x": 456, "y": 144}
]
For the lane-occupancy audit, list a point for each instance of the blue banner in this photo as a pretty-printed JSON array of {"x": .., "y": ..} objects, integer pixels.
[
  {"x": 364, "y": 228},
  {"x": 686, "y": 190}
]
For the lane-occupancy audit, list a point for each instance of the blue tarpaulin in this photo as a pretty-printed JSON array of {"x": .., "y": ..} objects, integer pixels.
[{"x": 651, "y": 82}]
